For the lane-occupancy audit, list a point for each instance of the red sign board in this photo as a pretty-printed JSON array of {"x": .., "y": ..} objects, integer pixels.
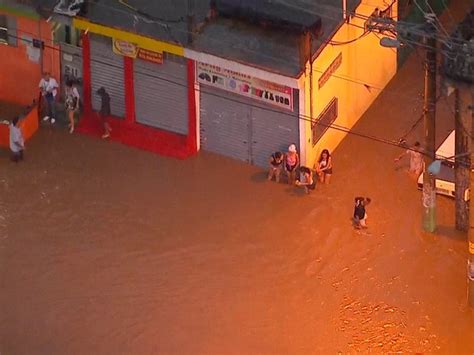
[{"x": 154, "y": 57}]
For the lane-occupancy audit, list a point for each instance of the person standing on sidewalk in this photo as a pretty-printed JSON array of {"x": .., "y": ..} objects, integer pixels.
[
  {"x": 416, "y": 159},
  {"x": 72, "y": 103},
  {"x": 276, "y": 166},
  {"x": 291, "y": 164},
  {"x": 105, "y": 111},
  {"x": 17, "y": 143},
  {"x": 49, "y": 90}
]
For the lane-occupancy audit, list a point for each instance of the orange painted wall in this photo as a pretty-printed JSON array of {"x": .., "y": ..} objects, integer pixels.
[
  {"x": 19, "y": 77},
  {"x": 364, "y": 61},
  {"x": 28, "y": 125}
]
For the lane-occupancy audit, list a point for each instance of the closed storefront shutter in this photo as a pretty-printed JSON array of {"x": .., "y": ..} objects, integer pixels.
[
  {"x": 272, "y": 131},
  {"x": 161, "y": 98},
  {"x": 244, "y": 129},
  {"x": 224, "y": 127},
  {"x": 107, "y": 70}
]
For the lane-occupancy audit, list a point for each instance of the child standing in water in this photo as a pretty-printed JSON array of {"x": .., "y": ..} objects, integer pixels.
[
  {"x": 360, "y": 215},
  {"x": 307, "y": 180}
]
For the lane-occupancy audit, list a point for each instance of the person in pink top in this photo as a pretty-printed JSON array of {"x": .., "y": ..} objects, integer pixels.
[{"x": 292, "y": 161}]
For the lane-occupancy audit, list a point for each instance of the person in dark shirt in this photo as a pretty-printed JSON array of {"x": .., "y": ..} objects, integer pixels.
[
  {"x": 360, "y": 215},
  {"x": 104, "y": 112},
  {"x": 276, "y": 166}
]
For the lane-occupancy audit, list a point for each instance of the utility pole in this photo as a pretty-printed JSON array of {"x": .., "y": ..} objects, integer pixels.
[
  {"x": 382, "y": 25},
  {"x": 462, "y": 163},
  {"x": 429, "y": 110}
]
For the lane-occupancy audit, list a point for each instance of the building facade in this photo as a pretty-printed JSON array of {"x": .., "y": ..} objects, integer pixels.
[
  {"x": 240, "y": 91},
  {"x": 151, "y": 86},
  {"x": 26, "y": 51}
]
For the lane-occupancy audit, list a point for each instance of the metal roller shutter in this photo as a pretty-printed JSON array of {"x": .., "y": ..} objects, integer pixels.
[
  {"x": 272, "y": 131},
  {"x": 107, "y": 70},
  {"x": 161, "y": 97},
  {"x": 224, "y": 125},
  {"x": 245, "y": 130}
]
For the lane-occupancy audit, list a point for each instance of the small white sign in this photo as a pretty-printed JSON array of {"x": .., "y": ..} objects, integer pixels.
[
  {"x": 33, "y": 53},
  {"x": 67, "y": 57}
]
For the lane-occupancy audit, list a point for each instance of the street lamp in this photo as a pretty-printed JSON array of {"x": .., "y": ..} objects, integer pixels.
[{"x": 390, "y": 42}]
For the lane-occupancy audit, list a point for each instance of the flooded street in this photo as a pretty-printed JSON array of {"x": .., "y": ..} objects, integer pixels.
[{"x": 106, "y": 249}]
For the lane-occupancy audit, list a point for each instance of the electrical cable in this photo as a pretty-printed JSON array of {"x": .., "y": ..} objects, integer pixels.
[
  {"x": 290, "y": 115},
  {"x": 335, "y": 10},
  {"x": 148, "y": 16},
  {"x": 421, "y": 33},
  {"x": 315, "y": 70},
  {"x": 335, "y": 43},
  {"x": 300, "y": 117}
]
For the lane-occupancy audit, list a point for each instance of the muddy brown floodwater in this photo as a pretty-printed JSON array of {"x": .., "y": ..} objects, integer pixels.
[
  {"x": 108, "y": 250},
  {"x": 105, "y": 249}
]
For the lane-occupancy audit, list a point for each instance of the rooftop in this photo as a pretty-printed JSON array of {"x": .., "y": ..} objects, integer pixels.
[{"x": 270, "y": 48}]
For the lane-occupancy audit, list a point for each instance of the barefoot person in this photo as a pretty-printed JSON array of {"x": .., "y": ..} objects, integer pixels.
[
  {"x": 416, "y": 159},
  {"x": 71, "y": 103},
  {"x": 49, "y": 90},
  {"x": 360, "y": 215},
  {"x": 292, "y": 161},
  {"x": 307, "y": 181},
  {"x": 104, "y": 111},
  {"x": 324, "y": 167},
  {"x": 17, "y": 143},
  {"x": 276, "y": 166}
]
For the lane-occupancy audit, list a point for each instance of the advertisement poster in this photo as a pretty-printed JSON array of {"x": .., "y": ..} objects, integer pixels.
[
  {"x": 245, "y": 85},
  {"x": 131, "y": 50}
]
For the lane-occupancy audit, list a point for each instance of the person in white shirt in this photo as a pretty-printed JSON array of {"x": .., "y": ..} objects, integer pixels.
[
  {"x": 49, "y": 90},
  {"x": 71, "y": 103},
  {"x": 17, "y": 143}
]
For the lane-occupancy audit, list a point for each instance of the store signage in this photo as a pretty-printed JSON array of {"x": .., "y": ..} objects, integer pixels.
[
  {"x": 245, "y": 85},
  {"x": 149, "y": 56},
  {"x": 330, "y": 71},
  {"x": 132, "y": 50}
]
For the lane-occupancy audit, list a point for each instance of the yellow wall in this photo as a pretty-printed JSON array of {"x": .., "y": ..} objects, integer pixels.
[
  {"x": 142, "y": 41},
  {"x": 363, "y": 61}
]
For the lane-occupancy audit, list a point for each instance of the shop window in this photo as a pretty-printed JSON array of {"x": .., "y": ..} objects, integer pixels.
[
  {"x": 320, "y": 125},
  {"x": 8, "y": 30}
]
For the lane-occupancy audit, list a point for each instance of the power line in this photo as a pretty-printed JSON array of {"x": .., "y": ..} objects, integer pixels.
[
  {"x": 290, "y": 115},
  {"x": 409, "y": 27},
  {"x": 315, "y": 70}
]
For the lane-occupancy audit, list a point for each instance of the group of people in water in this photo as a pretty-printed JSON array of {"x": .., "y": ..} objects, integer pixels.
[
  {"x": 300, "y": 176},
  {"x": 305, "y": 177}
]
